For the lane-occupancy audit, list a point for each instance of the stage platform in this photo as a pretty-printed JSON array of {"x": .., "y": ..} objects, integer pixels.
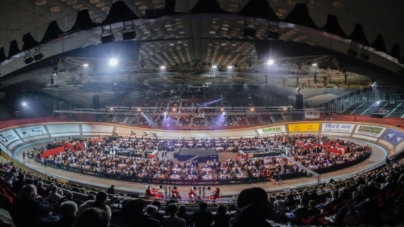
[
  {"x": 200, "y": 154},
  {"x": 377, "y": 158}
]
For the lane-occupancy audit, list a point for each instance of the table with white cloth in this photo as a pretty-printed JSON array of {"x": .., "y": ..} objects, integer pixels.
[
  {"x": 177, "y": 169},
  {"x": 178, "y": 145},
  {"x": 122, "y": 165},
  {"x": 207, "y": 170},
  {"x": 219, "y": 148},
  {"x": 207, "y": 177}
]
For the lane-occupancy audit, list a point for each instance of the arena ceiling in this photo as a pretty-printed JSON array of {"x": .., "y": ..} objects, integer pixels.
[{"x": 188, "y": 37}]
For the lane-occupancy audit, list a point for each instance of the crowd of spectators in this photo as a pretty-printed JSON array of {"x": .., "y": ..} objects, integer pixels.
[{"x": 124, "y": 157}]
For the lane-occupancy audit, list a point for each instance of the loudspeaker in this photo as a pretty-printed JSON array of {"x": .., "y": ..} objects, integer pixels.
[
  {"x": 299, "y": 101},
  {"x": 96, "y": 101}
]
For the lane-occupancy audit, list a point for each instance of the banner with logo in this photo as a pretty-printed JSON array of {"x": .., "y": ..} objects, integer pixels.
[
  {"x": 308, "y": 127},
  {"x": 393, "y": 136},
  {"x": 312, "y": 114},
  {"x": 8, "y": 136},
  {"x": 272, "y": 130},
  {"x": 335, "y": 127},
  {"x": 369, "y": 130},
  {"x": 31, "y": 131}
]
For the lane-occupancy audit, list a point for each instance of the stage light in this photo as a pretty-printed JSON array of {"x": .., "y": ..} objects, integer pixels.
[
  {"x": 364, "y": 56},
  {"x": 273, "y": 35},
  {"x": 229, "y": 67},
  {"x": 284, "y": 108},
  {"x": 162, "y": 67},
  {"x": 221, "y": 109},
  {"x": 174, "y": 109},
  {"x": 28, "y": 59},
  {"x": 37, "y": 54},
  {"x": 252, "y": 109},
  {"x": 224, "y": 113},
  {"x": 113, "y": 62},
  {"x": 24, "y": 103},
  {"x": 138, "y": 109},
  {"x": 314, "y": 64},
  {"x": 270, "y": 62},
  {"x": 106, "y": 35},
  {"x": 214, "y": 66},
  {"x": 128, "y": 35},
  {"x": 352, "y": 52},
  {"x": 85, "y": 65},
  {"x": 378, "y": 102},
  {"x": 111, "y": 108},
  {"x": 165, "y": 113}
]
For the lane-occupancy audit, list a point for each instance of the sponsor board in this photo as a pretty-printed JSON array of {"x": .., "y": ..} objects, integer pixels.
[
  {"x": 3, "y": 148},
  {"x": 369, "y": 130},
  {"x": 334, "y": 127},
  {"x": 272, "y": 130},
  {"x": 393, "y": 136},
  {"x": 8, "y": 136},
  {"x": 365, "y": 137},
  {"x": 336, "y": 134},
  {"x": 308, "y": 127},
  {"x": 31, "y": 131}
]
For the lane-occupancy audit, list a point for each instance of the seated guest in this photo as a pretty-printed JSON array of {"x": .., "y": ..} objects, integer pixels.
[
  {"x": 172, "y": 220},
  {"x": 182, "y": 213},
  {"x": 68, "y": 211},
  {"x": 158, "y": 215},
  {"x": 54, "y": 196},
  {"x": 41, "y": 189},
  {"x": 221, "y": 219},
  {"x": 26, "y": 210},
  {"x": 99, "y": 203},
  {"x": 254, "y": 209},
  {"x": 132, "y": 214},
  {"x": 92, "y": 217},
  {"x": 299, "y": 212},
  {"x": 202, "y": 218}
]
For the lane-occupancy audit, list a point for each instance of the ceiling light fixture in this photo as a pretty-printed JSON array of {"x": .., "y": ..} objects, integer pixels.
[
  {"x": 162, "y": 67},
  {"x": 229, "y": 67},
  {"x": 106, "y": 35},
  {"x": 113, "y": 62},
  {"x": 85, "y": 65},
  {"x": 28, "y": 59},
  {"x": 128, "y": 34},
  {"x": 270, "y": 62},
  {"x": 37, "y": 53}
]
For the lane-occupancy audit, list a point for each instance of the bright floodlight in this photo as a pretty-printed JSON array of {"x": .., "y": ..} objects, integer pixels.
[
  {"x": 24, "y": 103},
  {"x": 378, "y": 102},
  {"x": 314, "y": 64},
  {"x": 214, "y": 66},
  {"x": 252, "y": 109},
  {"x": 85, "y": 65},
  {"x": 162, "y": 67},
  {"x": 111, "y": 108},
  {"x": 229, "y": 66},
  {"x": 113, "y": 61},
  {"x": 224, "y": 113},
  {"x": 165, "y": 113},
  {"x": 270, "y": 62}
]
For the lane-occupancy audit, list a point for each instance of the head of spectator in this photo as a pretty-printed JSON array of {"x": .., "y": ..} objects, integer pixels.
[
  {"x": 92, "y": 217},
  {"x": 182, "y": 209},
  {"x": 151, "y": 210},
  {"x": 28, "y": 192},
  {"x": 157, "y": 204},
  {"x": 254, "y": 208},
  {"x": 221, "y": 211},
  {"x": 90, "y": 197},
  {"x": 203, "y": 206},
  {"x": 54, "y": 189},
  {"x": 172, "y": 210},
  {"x": 69, "y": 195},
  {"x": 68, "y": 209}
]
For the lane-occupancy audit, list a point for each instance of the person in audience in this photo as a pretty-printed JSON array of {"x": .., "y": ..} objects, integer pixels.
[
  {"x": 279, "y": 205},
  {"x": 299, "y": 212},
  {"x": 182, "y": 213},
  {"x": 132, "y": 214},
  {"x": 221, "y": 219},
  {"x": 159, "y": 216},
  {"x": 27, "y": 210},
  {"x": 202, "y": 218},
  {"x": 111, "y": 190},
  {"x": 172, "y": 220},
  {"x": 254, "y": 209},
  {"x": 99, "y": 203},
  {"x": 11, "y": 177},
  {"x": 18, "y": 184},
  {"x": 67, "y": 197},
  {"x": 92, "y": 217},
  {"x": 41, "y": 189},
  {"x": 54, "y": 196},
  {"x": 151, "y": 210},
  {"x": 68, "y": 211}
]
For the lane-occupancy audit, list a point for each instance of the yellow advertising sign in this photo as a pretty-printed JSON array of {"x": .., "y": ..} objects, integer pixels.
[{"x": 308, "y": 127}]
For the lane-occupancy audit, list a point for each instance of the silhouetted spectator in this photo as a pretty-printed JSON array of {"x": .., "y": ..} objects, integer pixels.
[
  {"x": 202, "y": 218},
  {"x": 92, "y": 217},
  {"x": 172, "y": 220},
  {"x": 221, "y": 219}
]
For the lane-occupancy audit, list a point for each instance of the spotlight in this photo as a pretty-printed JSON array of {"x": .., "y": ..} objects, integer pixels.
[
  {"x": 214, "y": 66},
  {"x": 111, "y": 108},
  {"x": 165, "y": 113},
  {"x": 174, "y": 109},
  {"x": 142, "y": 113},
  {"x": 378, "y": 102},
  {"x": 24, "y": 103},
  {"x": 85, "y": 65},
  {"x": 113, "y": 62},
  {"x": 284, "y": 108},
  {"x": 270, "y": 62},
  {"x": 224, "y": 113},
  {"x": 314, "y": 64},
  {"x": 252, "y": 109},
  {"x": 162, "y": 67},
  {"x": 138, "y": 109},
  {"x": 38, "y": 56},
  {"x": 229, "y": 67},
  {"x": 221, "y": 109}
]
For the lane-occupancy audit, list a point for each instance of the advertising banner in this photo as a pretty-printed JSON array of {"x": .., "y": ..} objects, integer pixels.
[
  {"x": 369, "y": 130},
  {"x": 8, "y": 136},
  {"x": 393, "y": 136},
  {"x": 312, "y": 114},
  {"x": 335, "y": 127},
  {"x": 308, "y": 127},
  {"x": 31, "y": 131},
  {"x": 272, "y": 130}
]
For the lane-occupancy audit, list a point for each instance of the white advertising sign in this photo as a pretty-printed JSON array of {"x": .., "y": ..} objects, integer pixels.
[
  {"x": 335, "y": 127},
  {"x": 31, "y": 131},
  {"x": 8, "y": 136}
]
